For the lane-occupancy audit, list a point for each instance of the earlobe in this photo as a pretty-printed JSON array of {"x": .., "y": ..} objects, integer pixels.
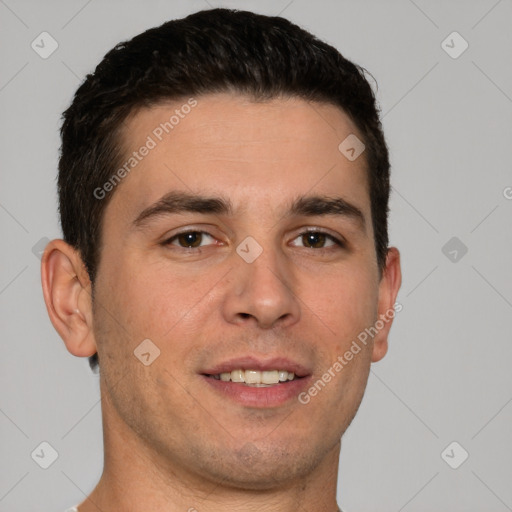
[
  {"x": 67, "y": 294},
  {"x": 388, "y": 290}
]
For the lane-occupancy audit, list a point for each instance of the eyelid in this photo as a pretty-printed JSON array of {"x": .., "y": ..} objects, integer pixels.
[{"x": 207, "y": 229}]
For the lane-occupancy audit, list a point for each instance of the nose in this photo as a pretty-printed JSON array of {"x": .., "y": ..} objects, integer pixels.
[{"x": 262, "y": 292}]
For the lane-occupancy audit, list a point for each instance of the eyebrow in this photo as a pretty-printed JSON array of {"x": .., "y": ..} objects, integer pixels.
[{"x": 314, "y": 205}]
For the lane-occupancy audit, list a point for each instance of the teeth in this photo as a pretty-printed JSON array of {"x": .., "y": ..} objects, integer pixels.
[
  {"x": 252, "y": 377},
  {"x": 237, "y": 376},
  {"x": 270, "y": 377},
  {"x": 256, "y": 377}
]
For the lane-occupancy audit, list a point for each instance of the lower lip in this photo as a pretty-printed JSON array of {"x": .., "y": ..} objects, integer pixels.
[{"x": 260, "y": 397}]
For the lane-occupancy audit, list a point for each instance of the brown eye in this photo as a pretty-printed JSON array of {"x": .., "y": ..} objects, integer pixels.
[
  {"x": 318, "y": 239},
  {"x": 188, "y": 239}
]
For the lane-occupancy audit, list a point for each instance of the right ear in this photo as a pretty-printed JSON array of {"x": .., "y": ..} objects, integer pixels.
[{"x": 67, "y": 294}]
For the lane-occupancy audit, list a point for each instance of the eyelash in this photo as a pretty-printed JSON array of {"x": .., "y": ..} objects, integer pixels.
[{"x": 339, "y": 244}]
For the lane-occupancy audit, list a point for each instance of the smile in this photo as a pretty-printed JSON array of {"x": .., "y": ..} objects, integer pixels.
[{"x": 256, "y": 378}]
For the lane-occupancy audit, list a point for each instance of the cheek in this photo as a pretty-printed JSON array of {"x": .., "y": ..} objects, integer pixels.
[
  {"x": 346, "y": 302},
  {"x": 158, "y": 301}
]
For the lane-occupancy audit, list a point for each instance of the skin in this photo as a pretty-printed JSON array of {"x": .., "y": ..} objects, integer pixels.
[{"x": 172, "y": 443}]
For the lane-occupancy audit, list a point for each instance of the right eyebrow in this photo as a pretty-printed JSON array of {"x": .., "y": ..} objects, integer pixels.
[{"x": 177, "y": 202}]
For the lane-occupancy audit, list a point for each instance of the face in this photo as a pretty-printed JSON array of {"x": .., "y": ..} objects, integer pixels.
[{"x": 258, "y": 279}]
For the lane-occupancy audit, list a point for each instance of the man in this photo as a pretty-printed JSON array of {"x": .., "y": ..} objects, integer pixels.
[{"x": 223, "y": 188}]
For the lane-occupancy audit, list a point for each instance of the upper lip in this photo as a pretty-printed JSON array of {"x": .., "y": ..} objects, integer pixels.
[{"x": 261, "y": 364}]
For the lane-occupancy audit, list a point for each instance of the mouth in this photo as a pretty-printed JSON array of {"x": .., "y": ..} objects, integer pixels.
[{"x": 257, "y": 383}]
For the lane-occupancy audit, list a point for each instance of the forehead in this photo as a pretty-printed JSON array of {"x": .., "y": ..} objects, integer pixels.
[{"x": 254, "y": 152}]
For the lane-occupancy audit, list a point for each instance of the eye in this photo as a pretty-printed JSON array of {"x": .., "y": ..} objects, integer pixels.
[
  {"x": 188, "y": 239},
  {"x": 313, "y": 239},
  {"x": 316, "y": 240}
]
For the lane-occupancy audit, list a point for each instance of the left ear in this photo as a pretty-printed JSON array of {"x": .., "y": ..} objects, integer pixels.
[{"x": 388, "y": 290}]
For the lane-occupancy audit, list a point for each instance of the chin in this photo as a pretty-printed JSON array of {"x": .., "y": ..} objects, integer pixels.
[{"x": 260, "y": 468}]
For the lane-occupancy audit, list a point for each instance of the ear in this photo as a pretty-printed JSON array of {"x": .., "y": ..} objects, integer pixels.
[
  {"x": 67, "y": 294},
  {"x": 388, "y": 290}
]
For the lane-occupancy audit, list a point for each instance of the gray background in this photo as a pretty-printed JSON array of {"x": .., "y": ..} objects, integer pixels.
[{"x": 447, "y": 376}]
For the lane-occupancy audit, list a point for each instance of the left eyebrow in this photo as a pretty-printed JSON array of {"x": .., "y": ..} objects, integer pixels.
[
  {"x": 309, "y": 206},
  {"x": 321, "y": 205}
]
